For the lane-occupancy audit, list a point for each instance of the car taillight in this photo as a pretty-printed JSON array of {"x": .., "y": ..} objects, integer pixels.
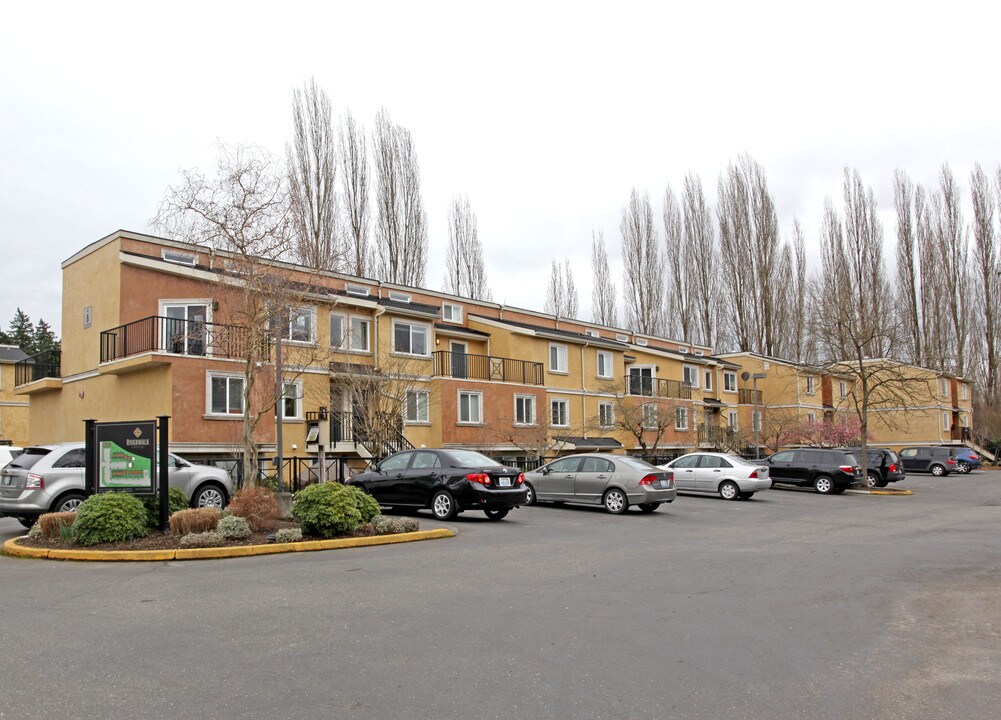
[
  {"x": 34, "y": 482},
  {"x": 892, "y": 468},
  {"x": 753, "y": 475},
  {"x": 952, "y": 461},
  {"x": 846, "y": 469},
  {"x": 974, "y": 456},
  {"x": 481, "y": 478},
  {"x": 520, "y": 480},
  {"x": 648, "y": 480}
]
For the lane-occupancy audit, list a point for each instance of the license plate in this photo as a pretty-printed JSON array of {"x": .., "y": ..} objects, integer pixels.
[{"x": 504, "y": 482}]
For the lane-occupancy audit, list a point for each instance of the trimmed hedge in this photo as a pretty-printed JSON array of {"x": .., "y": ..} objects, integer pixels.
[
  {"x": 233, "y": 527},
  {"x": 331, "y": 509},
  {"x": 110, "y": 517}
]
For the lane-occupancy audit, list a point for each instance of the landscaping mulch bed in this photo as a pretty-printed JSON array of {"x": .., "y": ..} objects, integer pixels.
[{"x": 167, "y": 541}]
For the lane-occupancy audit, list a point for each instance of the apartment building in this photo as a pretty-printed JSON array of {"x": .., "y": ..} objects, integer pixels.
[
  {"x": 154, "y": 327},
  {"x": 13, "y": 408}
]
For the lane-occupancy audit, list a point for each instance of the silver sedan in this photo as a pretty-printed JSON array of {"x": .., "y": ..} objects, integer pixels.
[
  {"x": 733, "y": 477},
  {"x": 615, "y": 481}
]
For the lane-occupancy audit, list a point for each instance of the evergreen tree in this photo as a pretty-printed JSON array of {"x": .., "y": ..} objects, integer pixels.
[
  {"x": 44, "y": 338},
  {"x": 22, "y": 332}
]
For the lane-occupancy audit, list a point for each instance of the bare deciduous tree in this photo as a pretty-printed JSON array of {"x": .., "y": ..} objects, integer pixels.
[
  {"x": 678, "y": 312},
  {"x": 465, "y": 270},
  {"x": 986, "y": 197},
  {"x": 355, "y": 192},
  {"x": 603, "y": 309},
  {"x": 401, "y": 229},
  {"x": 561, "y": 292},
  {"x": 953, "y": 250},
  {"x": 700, "y": 242},
  {"x": 908, "y": 270},
  {"x": 644, "y": 267}
]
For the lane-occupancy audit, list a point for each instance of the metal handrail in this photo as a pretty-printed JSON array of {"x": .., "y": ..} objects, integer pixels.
[
  {"x": 46, "y": 364},
  {"x": 657, "y": 387},
  {"x": 465, "y": 366},
  {"x": 176, "y": 336}
]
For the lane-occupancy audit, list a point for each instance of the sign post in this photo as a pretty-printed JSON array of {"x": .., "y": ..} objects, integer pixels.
[{"x": 163, "y": 425}]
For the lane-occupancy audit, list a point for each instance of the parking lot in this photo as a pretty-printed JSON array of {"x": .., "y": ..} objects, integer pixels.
[{"x": 789, "y": 605}]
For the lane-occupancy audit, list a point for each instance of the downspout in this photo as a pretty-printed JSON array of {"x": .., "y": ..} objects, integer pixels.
[
  {"x": 375, "y": 336},
  {"x": 583, "y": 397}
]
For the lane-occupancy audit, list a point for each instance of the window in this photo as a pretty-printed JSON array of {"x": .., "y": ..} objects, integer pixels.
[
  {"x": 689, "y": 461},
  {"x": 962, "y": 390},
  {"x": 843, "y": 389},
  {"x": 682, "y": 348},
  {"x": 425, "y": 460},
  {"x": 225, "y": 394},
  {"x": 564, "y": 465},
  {"x": 650, "y": 416},
  {"x": 359, "y": 290},
  {"x": 641, "y": 381},
  {"x": 524, "y": 409},
  {"x": 399, "y": 296},
  {"x": 337, "y": 330},
  {"x": 180, "y": 258},
  {"x": 300, "y": 325},
  {"x": 183, "y": 326},
  {"x": 946, "y": 421},
  {"x": 593, "y": 333},
  {"x": 417, "y": 406},
  {"x": 708, "y": 380},
  {"x": 730, "y": 382},
  {"x": 470, "y": 407},
  {"x": 732, "y": 420},
  {"x": 558, "y": 358},
  {"x": 604, "y": 364},
  {"x": 560, "y": 411},
  {"x": 396, "y": 463},
  {"x": 359, "y": 334},
  {"x": 606, "y": 414},
  {"x": 680, "y": 418},
  {"x": 410, "y": 339},
  {"x": 597, "y": 465},
  {"x": 291, "y": 403},
  {"x": 690, "y": 375},
  {"x": 88, "y": 316},
  {"x": 452, "y": 313},
  {"x": 811, "y": 417},
  {"x": 945, "y": 387},
  {"x": 75, "y": 458},
  {"x": 642, "y": 342},
  {"x": 621, "y": 337},
  {"x": 811, "y": 385}
]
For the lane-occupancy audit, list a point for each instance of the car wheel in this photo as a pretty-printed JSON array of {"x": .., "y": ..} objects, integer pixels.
[
  {"x": 648, "y": 507},
  {"x": 27, "y": 522},
  {"x": 728, "y": 490},
  {"x": 882, "y": 483},
  {"x": 963, "y": 467},
  {"x": 824, "y": 485},
  {"x": 746, "y": 495},
  {"x": 443, "y": 505},
  {"x": 530, "y": 494},
  {"x": 209, "y": 495},
  {"x": 616, "y": 501},
  {"x": 872, "y": 480},
  {"x": 496, "y": 514},
  {"x": 937, "y": 470},
  {"x": 68, "y": 503}
]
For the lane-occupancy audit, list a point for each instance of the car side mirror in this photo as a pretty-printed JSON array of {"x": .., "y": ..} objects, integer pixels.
[{"x": 545, "y": 471}]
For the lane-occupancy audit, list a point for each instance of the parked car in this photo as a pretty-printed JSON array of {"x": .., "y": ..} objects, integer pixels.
[
  {"x": 938, "y": 461},
  {"x": 826, "y": 470},
  {"x": 733, "y": 477},
  {"x": 966, "y": 459},
  {"x": 615, "y": 481},
  {"x": 8, "y": 453},
  {"x": 883, "y": 467},
  {"x": 447, "y": 481},
  {"x": 50, "y": 478}
]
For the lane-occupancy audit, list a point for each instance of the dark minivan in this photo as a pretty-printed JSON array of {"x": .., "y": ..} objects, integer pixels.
[
  {"x": 827, "y": 471},
  {"x": 935, "y": 460}
]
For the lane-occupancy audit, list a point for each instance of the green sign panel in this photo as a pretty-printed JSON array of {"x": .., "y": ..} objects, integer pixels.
[{"x": 126, "y": 457}]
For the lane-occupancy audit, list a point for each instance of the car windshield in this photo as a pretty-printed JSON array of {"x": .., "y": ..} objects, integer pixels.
[
  {"x": 468, "y": 458},
  {"x": 28, "y": 458},
  {"x": 636, "y": 463}
]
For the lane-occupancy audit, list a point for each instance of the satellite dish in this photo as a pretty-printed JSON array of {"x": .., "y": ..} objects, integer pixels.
[{"x": 745, "y": 376}]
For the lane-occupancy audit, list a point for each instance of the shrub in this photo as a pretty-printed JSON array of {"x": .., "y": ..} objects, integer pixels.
[
  {"x": 52, "y": 524},
  {"x": 288, "y": 535},
  {"x": 257, "y": 505},
  {"x": 194, "y": 520},
  {"x": 392, "y": 526},
  {"x": 109, "y": 517},
  {"x": 331, "y": 509},
  {"x": 234, "y": 527},
  {"x": 176, "y": 500},
  {"x": 202, "y": 539},
  {"x": 35, "y": 532}
]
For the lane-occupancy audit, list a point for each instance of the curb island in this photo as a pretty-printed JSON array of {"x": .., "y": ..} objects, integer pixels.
[
  {"x": 11, "y": 547},
  {"x": 880, "y": 491}
]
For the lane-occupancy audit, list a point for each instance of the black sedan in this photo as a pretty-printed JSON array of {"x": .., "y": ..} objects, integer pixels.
[{"x": 447, "y": 481}]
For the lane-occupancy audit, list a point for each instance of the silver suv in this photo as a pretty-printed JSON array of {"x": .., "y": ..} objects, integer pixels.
[{"x": 49, "y": 478}]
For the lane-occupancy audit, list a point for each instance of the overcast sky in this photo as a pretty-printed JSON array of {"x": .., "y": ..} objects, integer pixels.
[{"x": 545, "y": 114}]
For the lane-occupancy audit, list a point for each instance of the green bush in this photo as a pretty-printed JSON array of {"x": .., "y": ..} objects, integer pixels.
[
  {"x": 233, "y": 527},
  {"x": 110, "y": 517},
  {"x": 176, "y": 500},
  {"x": 331, "y": 509},
  {"x": 288, "y": 535},
  {"x": 202, "y": 540}
]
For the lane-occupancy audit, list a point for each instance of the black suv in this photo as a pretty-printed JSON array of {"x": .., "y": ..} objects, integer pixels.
[
  {"x": 936, "y": 460},
  {"x": 828, "y": 471},
  {"x": 883, "y": 468}
]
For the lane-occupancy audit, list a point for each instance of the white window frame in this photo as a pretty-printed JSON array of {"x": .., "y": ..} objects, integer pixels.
[
  {"x": 470, "y": 420},
  {"x": 367, "y": 323},
  {"x": 607, "y": 375},
  {"x": 609, "y": 412},
  {"x": 410, "y": 335},
  {"x": 307, "y": 311},
  {"x": 693, "y": 371},
  {"x": 649, "y": 416},
  {"x": 811, "y": 385},
  {"x": 680, "y": 418},
  {"x": 528, "y": 402},
  {"x": 592, "y": 333},
  {"x": 451, "y": 312},
  {"x": 560, "y": 350},
  {"x": 359, "y": 290},
  {"x": 729, "y": 381},
  {"x": 811, "y": 417},
  {"x": 553, "y": 403},
  {"x": 212, "y": 375},
  {"x": 843, "y": 389},
  {"x": 963, "y": 390},
  {"x": 733, "y": 420},
  {"x": 945, "y": 387},
  {"x": 296, "y": 386},
  {"x": 178, "y": 258},
  {"x": 397, "y": 296},
  {"x": 345, "y": 330},
  {"x": 642, "y": 342},
  {"x": 421, "y": 418},
  {"x": 621, "y": 337},
  {"x": 707, "y": 377},
  {"x": 946, "y": 421}
]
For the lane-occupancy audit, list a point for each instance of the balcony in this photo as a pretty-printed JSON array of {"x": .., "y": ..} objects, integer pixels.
[
  {"x": 464, "y": 366},
  {"x": 174, "y": 336},
  {"x": 717, "y": 437},
  {"x": 749, "y": 397},
  {"x": 657, "y": 387},
  {"x": 43, "y": 366}
]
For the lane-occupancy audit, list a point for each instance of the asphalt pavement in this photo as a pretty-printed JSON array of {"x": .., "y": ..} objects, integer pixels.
[{"x": 789, "y": 605}]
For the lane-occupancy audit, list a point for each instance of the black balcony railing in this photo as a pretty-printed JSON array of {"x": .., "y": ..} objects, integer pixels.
[
  {"x": 486, "y": 367},
  {"x": 37, "y": 367},
  {"x": 717, "y": 436},
  {"x": 657, "y": 387},
  {"x": 380, "y": 438},
  {"x": 176, "y": 336},
  {"x": 747, "y": 397}
]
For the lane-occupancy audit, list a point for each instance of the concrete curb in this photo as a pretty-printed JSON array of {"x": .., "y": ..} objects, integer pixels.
[
  {"x": 880, "y": 492},
  {"x": 12, "y": 548}
]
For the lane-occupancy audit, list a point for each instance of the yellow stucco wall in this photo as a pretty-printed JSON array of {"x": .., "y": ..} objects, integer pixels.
[
  {"x": 91, "y": 281},
  {"x": 13, "y": 409}
]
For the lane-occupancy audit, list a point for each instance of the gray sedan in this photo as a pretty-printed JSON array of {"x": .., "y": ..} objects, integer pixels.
[
  {"x": 733, "y": 477},
  {"x": 615, "y": 481}
]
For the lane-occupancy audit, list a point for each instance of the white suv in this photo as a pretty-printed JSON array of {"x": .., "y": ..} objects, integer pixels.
[{"x": 50, "y": 478}]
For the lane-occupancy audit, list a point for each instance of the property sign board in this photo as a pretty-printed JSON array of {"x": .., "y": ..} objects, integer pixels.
[{"x": 126, "y": 457}]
